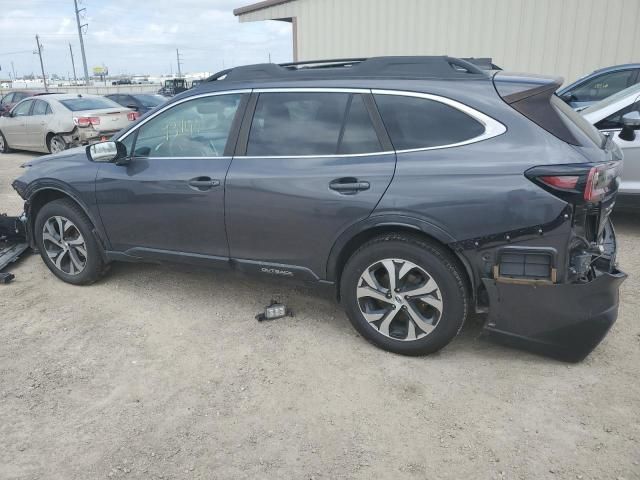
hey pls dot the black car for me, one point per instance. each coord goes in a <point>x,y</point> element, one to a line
<point>421,188</point>
<point>140,102</point>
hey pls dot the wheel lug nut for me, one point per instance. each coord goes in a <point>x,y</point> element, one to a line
<point>393,307</point>
<point>397,290</point>
<point>404,307</point>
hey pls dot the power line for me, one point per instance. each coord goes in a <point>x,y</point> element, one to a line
<point>16,53</point>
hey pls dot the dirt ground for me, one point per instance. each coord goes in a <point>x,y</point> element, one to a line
<point>162,372</point>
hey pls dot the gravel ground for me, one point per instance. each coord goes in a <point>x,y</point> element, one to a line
<point>163,372</point>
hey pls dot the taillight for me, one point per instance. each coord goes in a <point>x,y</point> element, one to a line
<point>600,181</point>
<point>86,121</point>
<point>568,182</point>
<point>133,116</point>
<point>578,183</point>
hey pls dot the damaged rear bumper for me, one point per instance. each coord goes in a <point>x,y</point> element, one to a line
<point>564,321</point>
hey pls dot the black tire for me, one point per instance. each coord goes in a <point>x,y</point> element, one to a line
<point>56,140</point>
<point>94,265</point>
<point>433,259</point>
<point>4,146</point>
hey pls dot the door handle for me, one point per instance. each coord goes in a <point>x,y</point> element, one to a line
<point>203,183</point>
<point>348,186</point>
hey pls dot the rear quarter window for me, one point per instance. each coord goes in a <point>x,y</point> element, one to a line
<point>80,104</point>
<point>414,122</point>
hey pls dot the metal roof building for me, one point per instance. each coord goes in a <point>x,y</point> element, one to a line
<point>559,37</point>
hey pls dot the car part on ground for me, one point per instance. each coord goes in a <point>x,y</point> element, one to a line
<point>391,178</point>
<point>13,243</point>
<point>273,311</point>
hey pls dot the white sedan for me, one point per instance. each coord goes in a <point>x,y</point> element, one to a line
<point>619,117</point>
<point>52,123</point>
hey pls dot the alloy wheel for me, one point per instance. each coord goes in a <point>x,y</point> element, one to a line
<point>399,299</point>
<point>57,145</point>
<point>2,145</point>
<point>64,245</point>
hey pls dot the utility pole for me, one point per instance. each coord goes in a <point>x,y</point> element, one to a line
<point>39,52</point>
<point>13,69</point>
<point>73,64</point>
<point>84,57</point>
<point>179,63</point>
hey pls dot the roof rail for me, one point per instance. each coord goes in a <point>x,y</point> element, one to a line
<point>437,67</point>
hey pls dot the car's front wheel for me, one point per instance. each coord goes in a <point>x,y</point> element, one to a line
<point>405,294</point>
<point>4,146</point>
<point>64,236</point>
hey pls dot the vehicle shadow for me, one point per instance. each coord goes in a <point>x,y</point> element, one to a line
<point>250,294</point>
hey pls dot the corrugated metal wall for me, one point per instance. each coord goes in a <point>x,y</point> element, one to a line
<point>559,37</point>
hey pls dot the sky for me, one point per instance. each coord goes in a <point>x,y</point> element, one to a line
<point>137,36</point>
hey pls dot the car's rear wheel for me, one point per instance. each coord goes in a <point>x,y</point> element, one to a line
<point>405,294</point>
<point>64,235</point>
<point>56,144</point>
<point>4,146</point>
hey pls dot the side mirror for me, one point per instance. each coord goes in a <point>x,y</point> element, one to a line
<point>133,107</point>
<point>107,152</point>
<point>567,97</point>
<point>631,123</point>
<point>7,113</point>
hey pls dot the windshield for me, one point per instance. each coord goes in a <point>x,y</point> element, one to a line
<point>84,103</point>
<point>149,100</point>
<point>634,91</point>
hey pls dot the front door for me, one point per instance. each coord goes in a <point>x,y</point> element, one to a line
<point>313,166</point>
<point>168,201</point>
<point>612,125</point>
<point>14,127</point>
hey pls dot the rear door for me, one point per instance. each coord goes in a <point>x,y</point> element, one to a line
<point>168,201</point>
<point>36,124</point>
<point>310,163</point>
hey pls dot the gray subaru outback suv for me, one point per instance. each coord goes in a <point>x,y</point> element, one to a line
<point>421,188</point>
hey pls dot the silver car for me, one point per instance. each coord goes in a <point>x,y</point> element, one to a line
<point>618,116</point>
<point>59,121</point>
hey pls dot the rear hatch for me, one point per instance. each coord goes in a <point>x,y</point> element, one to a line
<point>590,186</point>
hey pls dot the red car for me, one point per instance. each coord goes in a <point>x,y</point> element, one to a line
<point>10,99</point>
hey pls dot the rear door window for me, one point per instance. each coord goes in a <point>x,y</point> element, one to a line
<point>297,123</point>
<point>358,133</point>
<point>40,108</point>
<point>414,122</point>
